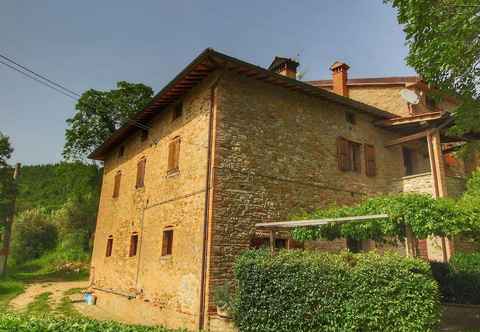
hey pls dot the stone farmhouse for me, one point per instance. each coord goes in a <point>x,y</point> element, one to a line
<point>226,145</point>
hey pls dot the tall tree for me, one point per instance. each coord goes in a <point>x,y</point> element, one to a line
<point>6,179</point>
<point>443,37</point>
<point>100,113</point>
<point>5,149</point>
<point>7,199</point>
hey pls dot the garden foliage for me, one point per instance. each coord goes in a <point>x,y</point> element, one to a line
<point>33,235</point>
<point>23,323</point>
<point>459,279</point>
<point>424,215</point>
<point>311,291</point>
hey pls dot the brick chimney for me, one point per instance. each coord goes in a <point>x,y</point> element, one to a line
<point>284,66</point>
<point>340,78</point>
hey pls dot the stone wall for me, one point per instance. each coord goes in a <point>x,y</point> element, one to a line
<point>419,183</point>
<point>384,97</point>
<point>275,156</point>
<point>423,183</point>
<point>167,286</point>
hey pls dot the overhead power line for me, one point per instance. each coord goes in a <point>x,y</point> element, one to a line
<point>38,80</point>
<point>40,76</point>
<point>42,79</point>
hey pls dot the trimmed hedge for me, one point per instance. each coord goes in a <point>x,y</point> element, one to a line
<point>310,291</point>
<point>22,323</point>
<point>459,280</point>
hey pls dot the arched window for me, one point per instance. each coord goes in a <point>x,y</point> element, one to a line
<point>133,245</point>
<point>167,243</point>
<point>109,250</point>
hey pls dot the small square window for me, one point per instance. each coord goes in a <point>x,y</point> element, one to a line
<point>177,111</point>
<point>133,245</point>
<point>167,244</point>
<point>144,135</point>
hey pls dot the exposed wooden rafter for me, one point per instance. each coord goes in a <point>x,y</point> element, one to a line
<point>410,119</point>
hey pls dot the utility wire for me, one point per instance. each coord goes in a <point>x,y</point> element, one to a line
<point>55,86</point>
<point>40,76</point>
<point>38,80</point>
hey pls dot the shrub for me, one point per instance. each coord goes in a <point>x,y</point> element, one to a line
<point>460,279</point>
<point>23,323</point>
<point>310,291</point>
<point>221,295</point>
<point>33,235</point>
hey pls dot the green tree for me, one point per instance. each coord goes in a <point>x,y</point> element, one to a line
<point>100,113</point>
<point>50,186</point>
<point>33,235</point>
<point>7,189</point>
<point>5,149</point>
<point>443,37</point>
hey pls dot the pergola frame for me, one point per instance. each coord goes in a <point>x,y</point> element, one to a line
<point>283,225</point>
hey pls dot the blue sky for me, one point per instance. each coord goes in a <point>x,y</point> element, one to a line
<point>93,44</point>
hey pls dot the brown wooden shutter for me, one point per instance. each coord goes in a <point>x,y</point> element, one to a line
<point>356,157</point>
<point>370,163</point>
<point>141,173</point>
<point>116,184</point>
<point>133,245</point>
<point>109,247</point>
<point>167,243</point>
<point>173,155</point>
<point>343,154</point>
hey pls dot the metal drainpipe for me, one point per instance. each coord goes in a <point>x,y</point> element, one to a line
<point>201,320</point>
<point>141,243</point>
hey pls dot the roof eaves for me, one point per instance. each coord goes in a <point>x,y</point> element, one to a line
<point>222,60</point>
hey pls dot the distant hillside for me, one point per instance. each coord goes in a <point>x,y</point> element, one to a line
<point>49,186</point>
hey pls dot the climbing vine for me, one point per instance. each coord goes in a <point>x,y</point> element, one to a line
<point>424,215</point>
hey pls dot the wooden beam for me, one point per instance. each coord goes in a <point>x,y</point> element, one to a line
<point>272,241</point>
<point>406,139</point>
<point>410,119</point>
<point>318,222</point>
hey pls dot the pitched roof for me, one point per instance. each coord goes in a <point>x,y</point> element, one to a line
<point>394,80</point>
<point>204,64</point>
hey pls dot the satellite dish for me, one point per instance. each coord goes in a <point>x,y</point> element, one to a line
<point>410,96</point>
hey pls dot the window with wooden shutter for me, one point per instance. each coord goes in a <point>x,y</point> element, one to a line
<point>173,155</point>
<point>133,245</point>
<point>167,244</point>
<point>141,173</point>
<point>349,155</point>
<point>116,184</point>
<point>109,250</point>
<point>370,163</point>
<point>343,154</point>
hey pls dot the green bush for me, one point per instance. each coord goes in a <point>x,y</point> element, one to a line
<point>310,291</point>
<point>33,235</point>
<point>23,323</point>
<point>460,279</point>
